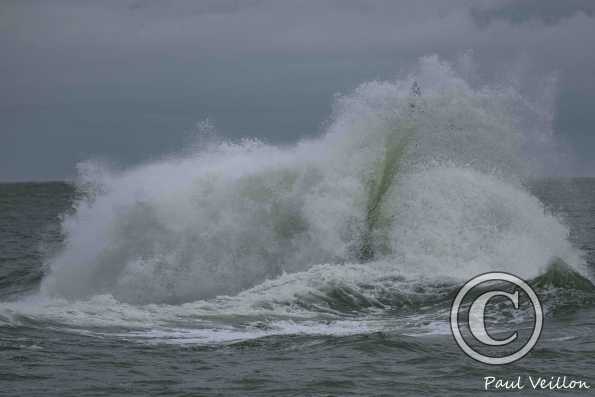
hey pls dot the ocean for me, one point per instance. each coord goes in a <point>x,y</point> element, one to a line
<point>324,268</point>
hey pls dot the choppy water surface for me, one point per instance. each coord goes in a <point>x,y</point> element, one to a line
<point>325,268</point>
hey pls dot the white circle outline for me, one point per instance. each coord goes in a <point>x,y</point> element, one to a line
<point>496,276</point>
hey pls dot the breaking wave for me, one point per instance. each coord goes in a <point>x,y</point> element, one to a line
<point>416,185</point>
<point>429,182</point>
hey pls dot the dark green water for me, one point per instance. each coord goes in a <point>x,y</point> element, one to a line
<point>42,354</point>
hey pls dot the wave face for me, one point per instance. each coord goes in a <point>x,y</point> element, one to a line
<point>404,184</point>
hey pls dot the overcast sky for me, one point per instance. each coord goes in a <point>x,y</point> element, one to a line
<point>127,81</point>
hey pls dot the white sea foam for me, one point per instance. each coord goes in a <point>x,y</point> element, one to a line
<point>431,184</point>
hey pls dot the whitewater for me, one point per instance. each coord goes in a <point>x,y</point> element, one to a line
<point>415,186</point>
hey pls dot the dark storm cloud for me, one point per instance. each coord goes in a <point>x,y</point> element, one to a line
<point>127,80</point>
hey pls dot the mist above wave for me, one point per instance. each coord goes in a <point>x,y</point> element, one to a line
<point>429,185</point>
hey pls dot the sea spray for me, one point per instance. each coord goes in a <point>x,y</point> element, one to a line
<point>395,146</point>
<point>432,195</point>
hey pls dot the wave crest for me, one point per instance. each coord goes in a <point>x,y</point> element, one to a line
<point>424,180</point>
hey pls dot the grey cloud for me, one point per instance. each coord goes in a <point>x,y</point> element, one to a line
<point>128,79</point>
